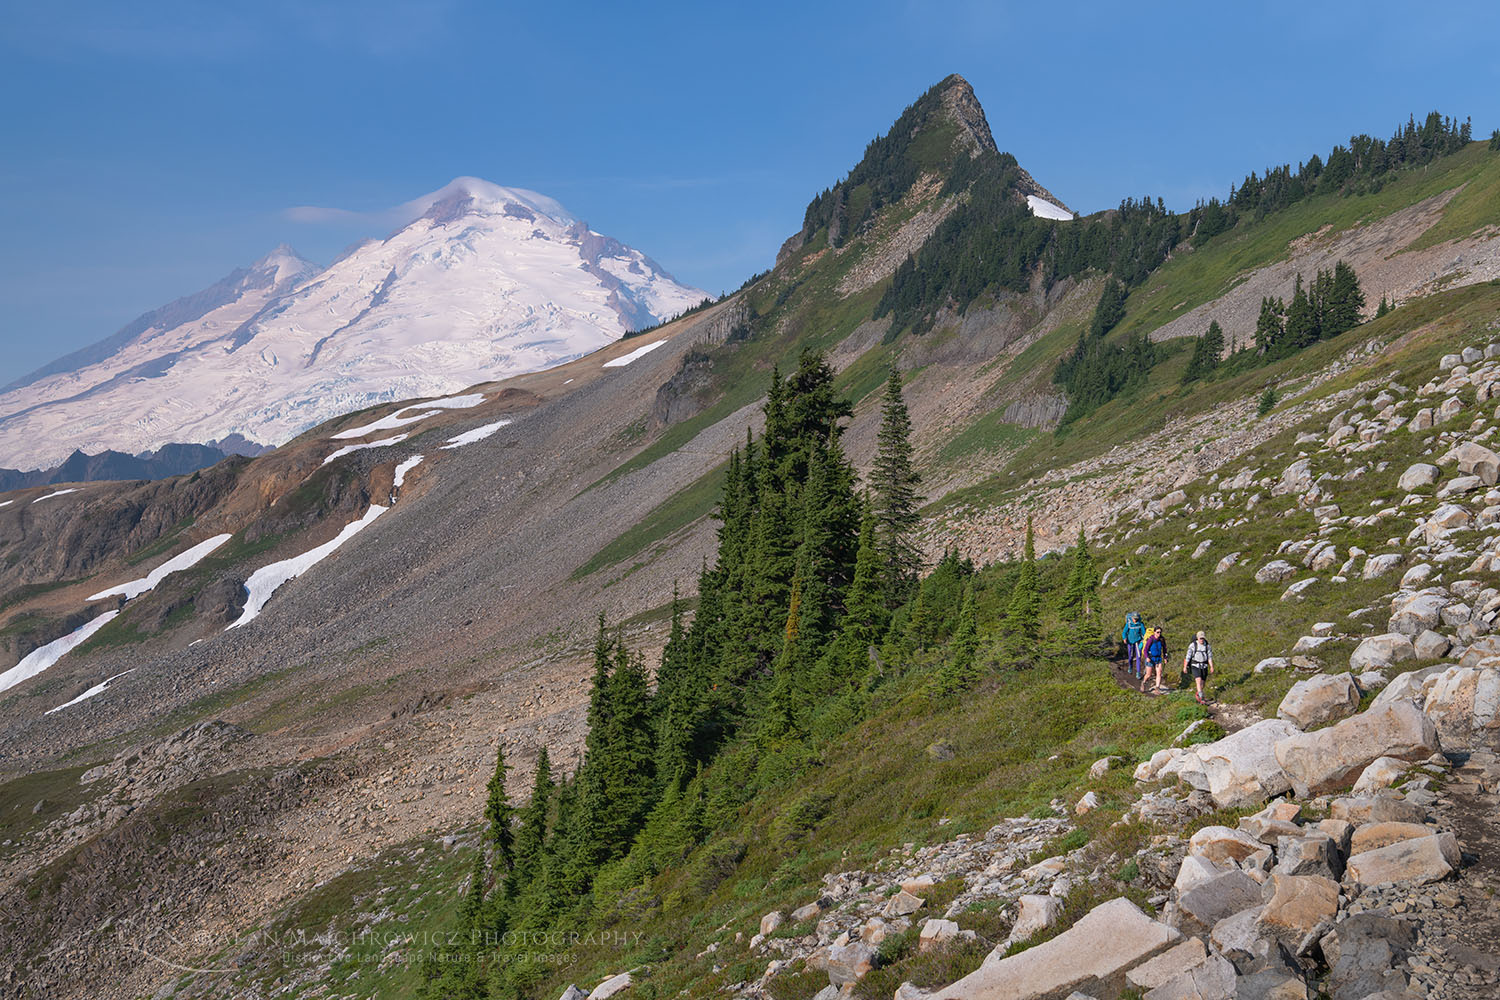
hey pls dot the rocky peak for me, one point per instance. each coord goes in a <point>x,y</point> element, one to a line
<point>963,107</point>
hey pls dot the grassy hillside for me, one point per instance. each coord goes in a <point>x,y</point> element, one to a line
<point>920,768</point>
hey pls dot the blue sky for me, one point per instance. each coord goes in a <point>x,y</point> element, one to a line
<point>152,147</point>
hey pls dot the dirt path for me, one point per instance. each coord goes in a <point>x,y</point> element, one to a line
<point>1462,921</point>
<point>1231,717</point>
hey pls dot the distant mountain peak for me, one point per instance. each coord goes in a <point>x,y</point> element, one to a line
<point>963,107</point>
<point>464,195</point>
<point>478,282</point>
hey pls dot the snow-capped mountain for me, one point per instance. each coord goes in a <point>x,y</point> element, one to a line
<point>483,282</point>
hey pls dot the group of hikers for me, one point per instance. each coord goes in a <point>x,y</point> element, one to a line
<point>1146,651</point>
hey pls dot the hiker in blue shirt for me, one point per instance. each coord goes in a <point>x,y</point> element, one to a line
<point>1132,635</point>
<point>1155,648</point>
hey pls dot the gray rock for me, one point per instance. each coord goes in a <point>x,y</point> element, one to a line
<point>1320,699</point>
<point>1331,758</point>
<point>1379,652</point>
<point>1168,965</point>
<point>1418,861</point>
<point>1363,953</point>
<point>1313,853</point>
<point>1378,566</point>
<point>1417,476</point>
<point>1275,571</point>
<point>1092,955</point>
<point>1199,910</point>
<point>1034,913</point>
<point>1476,460</point>
<point>1214,979</point>
<point>1228,562</point>
<point>1430,645</point>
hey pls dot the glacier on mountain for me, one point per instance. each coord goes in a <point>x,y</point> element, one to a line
<point>480,282</point>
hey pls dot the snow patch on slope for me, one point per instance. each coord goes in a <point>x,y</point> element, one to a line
<point>382,443</point>
<point>477,434</point>
<point>42,657</point>
<point>434,406</point>
<point>403,469</point>
<point>635,355</point>
<point>58,493</point>
<point>185,560</point>
<point>265,581</point>
<point>96,689</point>
<point>1044,209</point>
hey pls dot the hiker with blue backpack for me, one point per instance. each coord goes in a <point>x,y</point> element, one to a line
<point>1154,649</point>
<point>1133,635</point>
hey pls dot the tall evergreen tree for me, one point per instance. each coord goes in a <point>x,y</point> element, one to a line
<point>1301,321</point>
<point>894,480</point>
<point>1023,622</point>
<point>532,836</point>
<point>497,813</point>
<point>781,705</point>
<point>678,694</point>
<point>1109,310</point>
<point>966,636</point>
<point>1213,344</point>
<point>1346,301</point>
<point>1270,327</point>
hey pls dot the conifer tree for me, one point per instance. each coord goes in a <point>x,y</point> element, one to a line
<point>966,636</point>
<point>1346,301</point>
<point>1213,345</point>
<point>678,693</point>
<point>1081,596</point>
<point>918,624</point>
<point>781,705</point>
<point>1080,605</point>
<point>1301,321</point>
<point>532,836</point>
<point>1023,615</point>
<point>1270,327</point>
<point>1109,310</point>
<point>895,479</point>
<point>497,813</point>
<point>1383,308</point>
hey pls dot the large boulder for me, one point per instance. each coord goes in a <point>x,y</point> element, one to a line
<point>1298,905</point>
<point>1320,699</point>
<point>1411,686</point>
<point>1223,846</point>
<point>1275,571</point>
<point>848,963</point>
<point>1199,910</point>
<point>1416,613</point>
<point>1034,913</point>
<point>1214,979</point>
<point>1476,460</point>
<point>1296,479</point>
<point>1378,566</point>
<point>1194,871</point>
<point>1464,703</point>
<point>1312,853</point>
<point>1241,769</point>
<point>1417,861</point>
<point>611,986</point>
<point>1381,651</point>
<point>1332,758</point>
<point>1364,953</point>
<point>1374,836</point>
<point>1383,772</point>
<point>1168,965</point>
<point>1092,956</point>
<point>1418,476</point>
